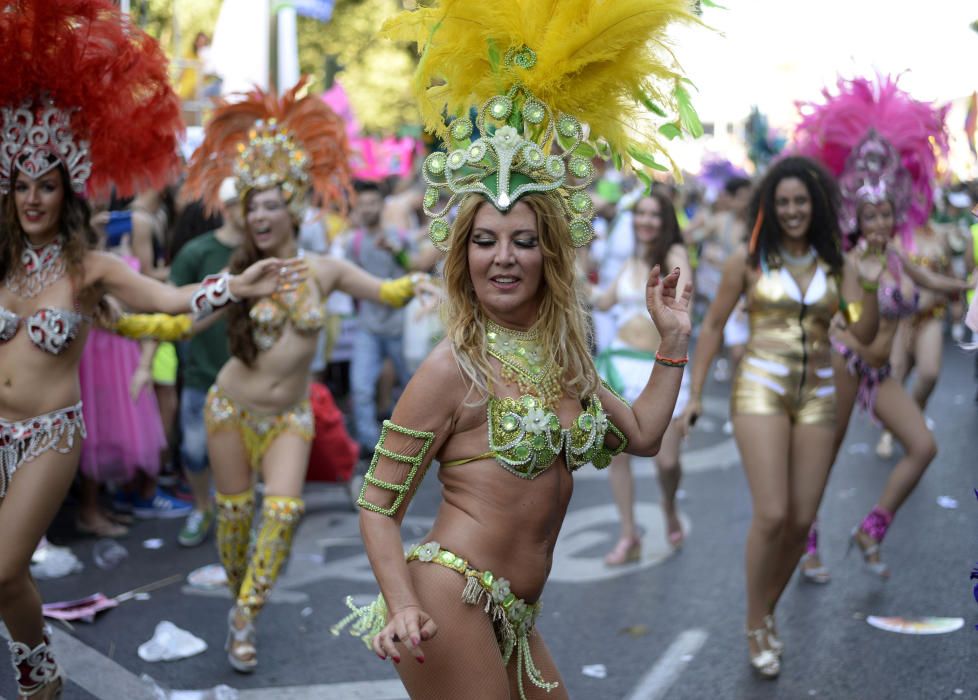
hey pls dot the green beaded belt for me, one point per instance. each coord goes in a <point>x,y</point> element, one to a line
<point>512,617</point>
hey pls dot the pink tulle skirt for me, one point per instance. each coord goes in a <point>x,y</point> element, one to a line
<point>124,436</point>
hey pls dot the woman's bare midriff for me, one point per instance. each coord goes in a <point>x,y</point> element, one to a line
<point>877,353</point>
<point>33,381</point>
<point>496,520</point>
<point>500,522</point>
<point>279,377</point>
<point>640,333</point>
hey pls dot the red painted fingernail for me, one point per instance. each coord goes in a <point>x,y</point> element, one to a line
<point>381,657</point>
<point>397,659</point>
<point>420,659</point>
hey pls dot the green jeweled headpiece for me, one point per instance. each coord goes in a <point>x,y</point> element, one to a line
<point>556,84</point>
<point>512,157</point>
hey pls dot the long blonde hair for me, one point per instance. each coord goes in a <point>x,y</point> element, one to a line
<point>562,321</point>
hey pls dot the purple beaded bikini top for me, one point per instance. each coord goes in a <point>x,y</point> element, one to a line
<point>893,303</point>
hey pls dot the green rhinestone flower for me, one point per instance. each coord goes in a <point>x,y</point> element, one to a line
<point>524,57</point>
<point>461,129</point>
<point>435,163</point>
<point>430,197</point>
<point>581,232</point>
<point>556,167</point>
<point>581,203</point>
<point>477,151</point>
<point>534,111</point>
<point>500,107</point>
<point>438,230</point>
<point>580,167</point>
<point>533,156</point>
<point>456,159</point>
<point>568,126</point>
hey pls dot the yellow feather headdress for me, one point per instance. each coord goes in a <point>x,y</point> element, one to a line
<point>558,81</point>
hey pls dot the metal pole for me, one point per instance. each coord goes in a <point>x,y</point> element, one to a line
<point>288,48</point>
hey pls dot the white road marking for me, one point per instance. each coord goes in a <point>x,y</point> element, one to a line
<point>363,690</point>
<point>107,680</point>
<point>656,683</point>
<point>96,673</point>
<point>586,528</point>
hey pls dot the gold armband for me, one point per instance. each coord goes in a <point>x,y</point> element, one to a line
<point>412,462</point>
<point>853,311</point>
<point>398,292</point>
<point>153,326</point>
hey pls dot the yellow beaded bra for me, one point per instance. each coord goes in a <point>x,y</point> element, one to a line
<point>270,314</point>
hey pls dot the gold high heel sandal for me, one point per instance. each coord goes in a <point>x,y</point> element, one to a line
<point>626,550</point>
<point>240,646</point>
<point>765,662</point>
<point>813,574</point>
<point>878,567</point>
<point>773,640</point>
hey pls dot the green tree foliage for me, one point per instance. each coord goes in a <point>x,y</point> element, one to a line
<point>175,23</point>
<point>375,73</point>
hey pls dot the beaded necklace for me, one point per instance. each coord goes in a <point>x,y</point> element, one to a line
<point>798,261</point>
<point>523,362</point>
<point>41,266</point>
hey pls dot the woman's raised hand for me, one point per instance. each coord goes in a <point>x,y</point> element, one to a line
<point>268,276</point>
<point>668,307</point>
<point>871,260</point>
<point>411,626</point>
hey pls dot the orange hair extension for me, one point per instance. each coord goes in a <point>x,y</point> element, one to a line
<point>756,231</point>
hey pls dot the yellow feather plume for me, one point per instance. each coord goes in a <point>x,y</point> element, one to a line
<point>605,62</point>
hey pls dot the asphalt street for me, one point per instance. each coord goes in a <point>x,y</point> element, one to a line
<point>670,626</point>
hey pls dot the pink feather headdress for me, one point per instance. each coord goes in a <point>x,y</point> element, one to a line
<point>881,144</point>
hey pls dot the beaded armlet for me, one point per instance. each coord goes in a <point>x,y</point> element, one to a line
<point>414,461</point>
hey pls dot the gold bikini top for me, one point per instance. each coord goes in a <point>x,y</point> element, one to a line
<point>779,313</point>
<point>935,263</point>
<point>306,312</point>
<point>525,437</point>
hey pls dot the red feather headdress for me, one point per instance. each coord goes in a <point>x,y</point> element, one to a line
<point>298,144</point>
<point>82,87</point>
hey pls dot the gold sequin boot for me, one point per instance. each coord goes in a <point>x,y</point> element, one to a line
<point>234,515</point>
<point>279,518</point>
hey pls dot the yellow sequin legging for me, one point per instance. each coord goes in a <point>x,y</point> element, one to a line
<point>251,578</point>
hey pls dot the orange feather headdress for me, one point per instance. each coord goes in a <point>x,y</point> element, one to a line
<point>297,144</point>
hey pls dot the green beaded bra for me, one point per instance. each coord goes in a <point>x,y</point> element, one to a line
<point>525,435</point>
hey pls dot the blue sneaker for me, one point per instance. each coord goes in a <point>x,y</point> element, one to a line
<point>161,505</point>
<point>122,501</point>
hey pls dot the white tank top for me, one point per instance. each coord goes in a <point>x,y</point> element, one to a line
<point>630,296</point>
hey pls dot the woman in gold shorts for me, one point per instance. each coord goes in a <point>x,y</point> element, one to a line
<point>783,402</point>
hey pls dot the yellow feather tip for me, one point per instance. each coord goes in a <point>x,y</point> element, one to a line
<point>601,61</point>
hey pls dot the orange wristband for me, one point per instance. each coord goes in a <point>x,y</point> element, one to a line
<point>670,361</point>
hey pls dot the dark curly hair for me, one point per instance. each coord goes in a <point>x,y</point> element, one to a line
<point>823,232</point>
<point>74,223</point>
